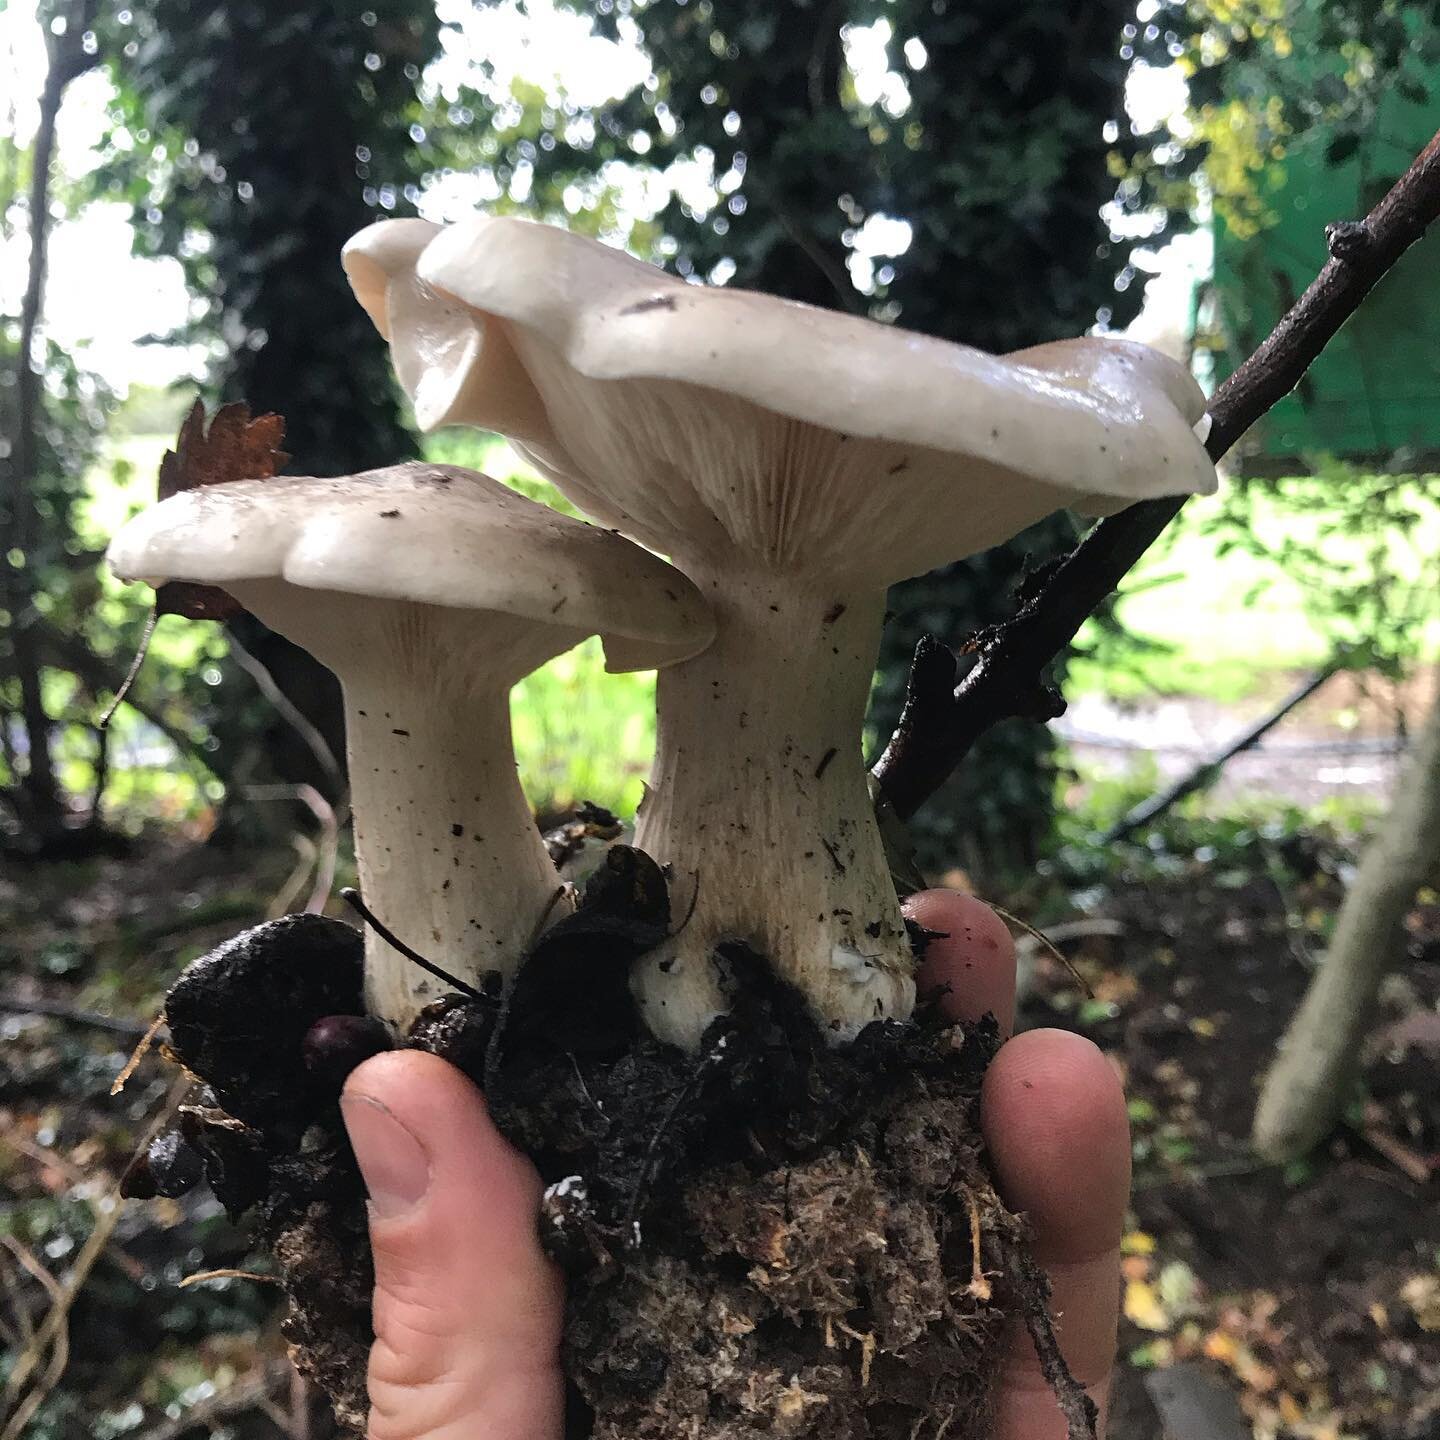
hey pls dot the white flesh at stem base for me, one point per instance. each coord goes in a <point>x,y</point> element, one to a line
<point>759,803</point>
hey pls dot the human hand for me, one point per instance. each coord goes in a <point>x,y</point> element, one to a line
<point>468,1309</point>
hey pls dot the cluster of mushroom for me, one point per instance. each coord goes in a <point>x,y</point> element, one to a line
<point>792,463</point>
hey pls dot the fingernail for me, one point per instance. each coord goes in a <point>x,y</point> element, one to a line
<point>393,1162</point>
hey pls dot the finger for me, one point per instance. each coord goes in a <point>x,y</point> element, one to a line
<point>467,1308</point>
<point>971,953</point>
<point>1053,1113</point>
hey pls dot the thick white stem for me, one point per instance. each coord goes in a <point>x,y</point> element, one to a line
<point>759,803</point>
<point>450,859</point>
<point>448,852</point>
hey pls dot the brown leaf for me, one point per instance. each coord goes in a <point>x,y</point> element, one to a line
<point>236,448</point>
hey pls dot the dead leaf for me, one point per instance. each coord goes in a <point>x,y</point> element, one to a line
<point>1422,1294</point>
<point>235,448</point>
<point>1143,1307</point>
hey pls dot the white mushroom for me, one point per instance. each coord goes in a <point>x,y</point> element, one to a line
<point>430,590</point>
<point>794,462</point>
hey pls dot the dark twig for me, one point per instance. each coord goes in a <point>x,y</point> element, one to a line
<point>1031,1288</point>
<point>352,899</point>
<point>123,689</point>
<point>1205,774</point>
<point>73,1015</point>
<point>937,730</point>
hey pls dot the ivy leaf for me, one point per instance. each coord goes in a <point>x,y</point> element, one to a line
<point>235,448</point>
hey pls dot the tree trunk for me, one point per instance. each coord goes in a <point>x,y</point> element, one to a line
<point>1316,1060</point>
<point>19,521</point>
<point>40,793</point>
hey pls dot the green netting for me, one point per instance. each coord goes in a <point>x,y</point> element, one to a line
<point>1375,394</point>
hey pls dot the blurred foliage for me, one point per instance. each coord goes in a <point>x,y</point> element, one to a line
<point>90,628</point>
<point>1275,575</point>
<point>251,142</point>
<point>167,775</point>
<point>35,488</point>
<point>60,576</point>
<point>1261,72</point>
<point>1361,548</point>
<point>1227,846</point>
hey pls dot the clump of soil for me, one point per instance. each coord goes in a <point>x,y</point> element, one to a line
<point>268,1131</point>
<point>772,1237</point>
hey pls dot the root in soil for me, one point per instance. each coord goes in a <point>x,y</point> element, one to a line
<point>774,1237</point>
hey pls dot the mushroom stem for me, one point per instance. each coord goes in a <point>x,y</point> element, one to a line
<point>449,855</point>
<point>448,852</point>
<point>759,802</point>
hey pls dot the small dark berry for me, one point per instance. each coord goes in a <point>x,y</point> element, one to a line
<point>336,1044</point>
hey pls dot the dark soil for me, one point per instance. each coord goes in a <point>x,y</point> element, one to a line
<point>785,1244</point>
<point>772,1237</point>
<point>1306,1294</point>
<point>1314,1292</point>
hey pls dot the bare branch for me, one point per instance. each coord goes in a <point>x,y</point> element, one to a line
<point>70,652</point>
<point>936,732</point>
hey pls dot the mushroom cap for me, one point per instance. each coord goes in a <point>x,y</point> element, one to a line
<point>870,447</point>
<point>446,363</point>
<point>434,535</point>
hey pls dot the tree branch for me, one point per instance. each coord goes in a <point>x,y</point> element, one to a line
<point>943,719</point>
<point>19,515</point>
<point>68,652</point>
<point>1203,775</point>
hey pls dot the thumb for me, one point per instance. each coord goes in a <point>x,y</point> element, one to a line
<point>467,1308</point>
